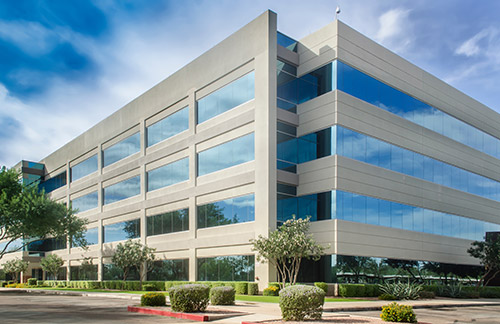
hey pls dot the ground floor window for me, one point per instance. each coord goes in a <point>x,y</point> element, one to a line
<point>112,272</point>
<point>360,269</point>
<point>170,270</point>
<point>227,268</point>
<point>83,272</point>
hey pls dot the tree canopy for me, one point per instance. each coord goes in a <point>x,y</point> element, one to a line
<point>488,253</point>
<point>51,264</point>
<point>14,267</point>
<point>25,212</point>
<point>286,247</point>
<point>133,254</point>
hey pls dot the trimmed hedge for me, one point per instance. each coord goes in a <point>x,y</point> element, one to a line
<point>222,296</point>
<point>148,287</point>
<point>301,302</point>
<point>395,312</point>
<point>322,285</point>
<point>253,288</point>
<point>32,281</point>
<point>189,298</point>
<point>358,290</point>
<point>153,299</point>
<point>241,288</point>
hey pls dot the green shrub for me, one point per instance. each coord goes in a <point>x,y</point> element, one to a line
<point>275,284</point>
<point>153,299</point>
<point>241,288</point>
<point>424,294</point>
<point>170,284</point>
<point>352,290</point>
<point>159,285</point>
<point>387,297</point>
<point>301,302</point>
<point>32,281</point>
<point>322,285</point>
<point>222,296</point>
<point>189,298</point>
<point>253,288</point>
<point>372,291</point>
<point>271,291</point>
<point>395,312</point>
<point>4,283</point>
<point>452,290</point>
<point>433,288</point>
<point>401,290</point>
<point>148,287</point>
<point>490,292</point>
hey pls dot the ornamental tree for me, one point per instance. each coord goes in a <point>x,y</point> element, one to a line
<point>488,253</point>
<point>14,267</point>
<point>25,212</point>
<point>286,247</point>
<point>51,264</point>
<point>133,254</point>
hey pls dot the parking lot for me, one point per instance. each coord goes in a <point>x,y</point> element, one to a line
<point>51,309</point>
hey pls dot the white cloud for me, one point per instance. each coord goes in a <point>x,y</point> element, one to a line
<point>395,29</point>
<point>471,47</point>
<point>31,37</point>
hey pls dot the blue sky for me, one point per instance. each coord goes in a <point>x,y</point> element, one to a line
<point>66,65</point>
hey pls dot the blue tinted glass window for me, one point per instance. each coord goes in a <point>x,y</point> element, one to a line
<point>369,210</point>
<point>122,190</point>
<point>171,222</point>
<point>53,183</point>
<point>286,42</point>
<point>382,154</point>
<point>87,202</point>
<point>84,168</point>
<point>226,98</point>
<point>122,231</point>
<point>227,268</point>
<point>169,174</point>
<point>385,97</point>
<point>226,155</point>
<point>169,126</point>
<point>229,211</point>
<point>122,149</point>
<point>92,236</point>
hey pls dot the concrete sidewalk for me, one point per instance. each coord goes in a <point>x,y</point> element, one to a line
<point>271,311</point>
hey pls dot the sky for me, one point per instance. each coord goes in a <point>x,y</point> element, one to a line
<point>66,65</point>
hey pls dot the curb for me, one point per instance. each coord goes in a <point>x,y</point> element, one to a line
<point>193,317</point>
<point>376,308</point>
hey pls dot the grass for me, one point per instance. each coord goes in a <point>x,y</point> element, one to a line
<point>275,299</point>
<point>250,298</point>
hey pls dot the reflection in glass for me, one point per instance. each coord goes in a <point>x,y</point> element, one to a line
<point>84,168</point>
<point>357,146</point>
<point>237,151</point>
<point>170,270</point>
<point>338,75</point>
<point>170,222</point>
<point>122,149</point>
<point>53,183</point>
<point>122,190</point>
<point>368,210</point>
<point>227,268</point>
<point>286,42</point>
<point>169,126</point>
<point>112,272</point>
<point>226,98</point>
<point>122,231</point>
<point>84,203</point>
<point>229,211</point>
<point>92,236</point>
<point>84,272</point>
<point>168,174</point>
<point>372,270</point>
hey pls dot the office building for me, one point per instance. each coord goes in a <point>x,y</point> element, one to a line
<point>389,161</point>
